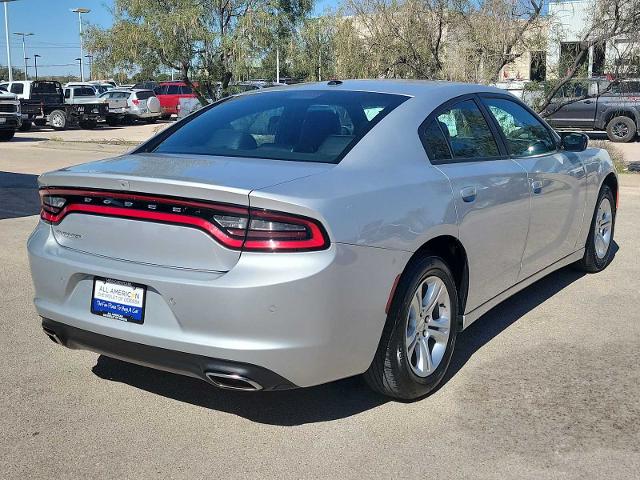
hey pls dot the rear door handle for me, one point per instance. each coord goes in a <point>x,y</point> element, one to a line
<point>588,101</point>
<point>468,194</point>
<point>536,186</point>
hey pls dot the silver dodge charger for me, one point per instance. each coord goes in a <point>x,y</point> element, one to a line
<point>296,236</point>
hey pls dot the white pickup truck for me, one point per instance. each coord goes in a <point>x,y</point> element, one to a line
<point>10,116</point>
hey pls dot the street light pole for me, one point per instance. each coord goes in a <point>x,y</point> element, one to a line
<point>6,34</point>
<point>90,57</point>
<point>80,63</point>
<point>35,63</point>
<point>24,51</point>
<point>80,11</point>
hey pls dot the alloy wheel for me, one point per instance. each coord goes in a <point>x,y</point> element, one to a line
<point>620,130</point>
<point>428,326</point>
<point>602,233</point>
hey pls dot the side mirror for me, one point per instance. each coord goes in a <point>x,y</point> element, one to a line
<point>574,142</point>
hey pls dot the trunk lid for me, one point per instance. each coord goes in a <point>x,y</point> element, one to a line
<point>167,176</point>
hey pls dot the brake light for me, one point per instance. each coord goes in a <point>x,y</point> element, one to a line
<point>135,101</point>
<point>235,227</point>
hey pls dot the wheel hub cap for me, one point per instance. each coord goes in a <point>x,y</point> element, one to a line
<point>602,233</point>
<point>428,326</point>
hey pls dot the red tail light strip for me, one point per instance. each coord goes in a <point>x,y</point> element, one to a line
<point>171,218</point>
<point>313,237</point>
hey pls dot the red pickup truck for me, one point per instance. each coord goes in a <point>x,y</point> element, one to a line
<point>169,93</point>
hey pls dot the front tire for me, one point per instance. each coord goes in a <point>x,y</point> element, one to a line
<point>420,333</point>
<point>599,248</point>
<point>621,129</point>
<point>6,135</point>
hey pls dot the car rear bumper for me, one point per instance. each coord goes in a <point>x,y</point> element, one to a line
<point>144,114</point>
<point>308,317</point>
<point>197,366</point>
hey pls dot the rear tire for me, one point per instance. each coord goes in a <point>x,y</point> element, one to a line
<point>407,373</point>
<point>40,122</point>
<point>6,135</point>
<point>621,129</point>
<point>88,124</point>
<point>151,120</point>
<point>25,127</point>
<point>113,121</point>
<point>58,120</point>
<point>598,250</point>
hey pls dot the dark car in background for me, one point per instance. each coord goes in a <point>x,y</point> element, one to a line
<point>598,105</point>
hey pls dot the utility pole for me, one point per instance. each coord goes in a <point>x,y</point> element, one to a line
<point>35,63</point>
<point>277,64</point>
<point>79,60</point>
<point>6,34</point>
<point>80,11</point>
<point>24,51</point>
<point>90,57</point>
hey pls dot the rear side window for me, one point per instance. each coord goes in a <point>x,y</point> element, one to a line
<point>83,92</point>
<point>467,132</point>
<point>17,88</point>
<point>145,95</point>
<point>435,143</point>
<point>301,125</point>
<point>525,135</point>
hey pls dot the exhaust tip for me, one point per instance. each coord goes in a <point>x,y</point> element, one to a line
<point>231,381</point>
<point>52,335</point>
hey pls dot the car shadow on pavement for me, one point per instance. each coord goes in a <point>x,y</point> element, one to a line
<point>505,314</point>
<point>18,195</point>
<point>21,138</point>
<point>334,400</point>
<point>331,401</point>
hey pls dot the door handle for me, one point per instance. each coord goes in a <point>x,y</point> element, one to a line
<point>588,101</point>
<point>468,194</point>
<point>536,186</point>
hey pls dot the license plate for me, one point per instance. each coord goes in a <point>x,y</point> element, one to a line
<point>118,300</point>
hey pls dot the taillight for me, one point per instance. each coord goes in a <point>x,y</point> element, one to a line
<point>235,227</point>
<point>135,101</point>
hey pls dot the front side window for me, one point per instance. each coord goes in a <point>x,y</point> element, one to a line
<point>525,135</point>
<point>300,125</point>
<point>467,132</point>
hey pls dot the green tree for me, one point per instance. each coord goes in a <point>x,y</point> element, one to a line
<point>204,40</point>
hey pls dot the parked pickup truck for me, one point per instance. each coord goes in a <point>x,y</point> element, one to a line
<point>42,101</point>
<point>594,105</point>
<point>10,117</point>
<point>85,99</point>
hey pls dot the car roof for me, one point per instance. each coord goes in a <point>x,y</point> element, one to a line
<point>412,88</point>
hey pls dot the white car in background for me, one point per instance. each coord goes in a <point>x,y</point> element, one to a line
<point>130,105</point>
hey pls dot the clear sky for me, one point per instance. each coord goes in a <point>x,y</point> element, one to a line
<point>55,30</point>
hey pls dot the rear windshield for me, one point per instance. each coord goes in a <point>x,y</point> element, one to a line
<point>84,92</point>
<point>46,87</point>
<point>302,125</point>
<point>145,95</point>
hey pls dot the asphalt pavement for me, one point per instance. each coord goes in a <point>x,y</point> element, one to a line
<point>546,385</point>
